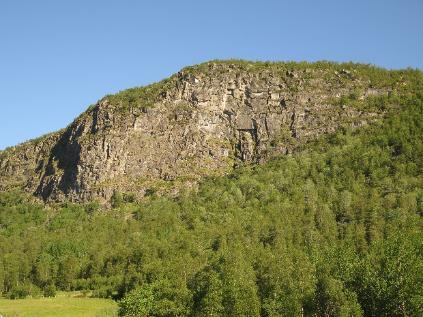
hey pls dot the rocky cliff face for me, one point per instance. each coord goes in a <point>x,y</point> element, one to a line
<point>205,120</point>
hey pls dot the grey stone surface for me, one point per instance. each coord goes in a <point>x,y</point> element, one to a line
<point>203,124</point>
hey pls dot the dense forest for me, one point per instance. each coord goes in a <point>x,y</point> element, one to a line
<point>334,229</point>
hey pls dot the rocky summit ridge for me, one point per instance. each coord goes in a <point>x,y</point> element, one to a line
<point>205,120</point>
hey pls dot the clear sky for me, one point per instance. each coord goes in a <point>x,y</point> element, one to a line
<point>58,57</point>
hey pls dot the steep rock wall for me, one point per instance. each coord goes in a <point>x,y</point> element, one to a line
<point>202,123</point>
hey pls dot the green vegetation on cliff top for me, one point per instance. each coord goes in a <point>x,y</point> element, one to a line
<point>398,81</point>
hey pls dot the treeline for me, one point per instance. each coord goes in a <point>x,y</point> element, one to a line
<point>334,230</point>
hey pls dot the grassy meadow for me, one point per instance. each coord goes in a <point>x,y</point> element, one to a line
<point>63,305</point>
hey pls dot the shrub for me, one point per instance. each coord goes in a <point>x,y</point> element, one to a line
<point>19,292</point>
<point>49,291</point>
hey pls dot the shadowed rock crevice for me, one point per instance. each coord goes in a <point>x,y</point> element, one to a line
<point>62,169</point>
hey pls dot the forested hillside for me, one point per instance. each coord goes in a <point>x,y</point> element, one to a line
<point>333,229</point>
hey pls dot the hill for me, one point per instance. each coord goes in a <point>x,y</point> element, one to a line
<point>326,224</point>
<point>202,121</point>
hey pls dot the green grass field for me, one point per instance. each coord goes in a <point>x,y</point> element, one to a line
<point>63,305</point>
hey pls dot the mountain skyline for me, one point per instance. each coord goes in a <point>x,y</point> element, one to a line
<point>58,58</point>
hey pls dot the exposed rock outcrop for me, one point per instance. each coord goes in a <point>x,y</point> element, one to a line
<point>202,121</point>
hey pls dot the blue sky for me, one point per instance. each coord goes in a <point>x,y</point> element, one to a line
<point>58,57</point>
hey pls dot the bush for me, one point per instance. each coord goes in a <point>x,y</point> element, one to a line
<point>103,292</point>
<point>49,291</point>
<point>161,298</point>
<point>137,303</point>
<point>117,199</point>
<point>19,292</point>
